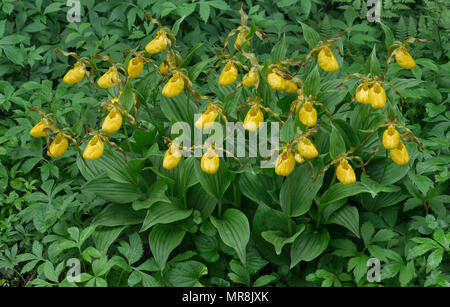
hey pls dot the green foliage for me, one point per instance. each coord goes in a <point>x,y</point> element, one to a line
<point>136,224</point>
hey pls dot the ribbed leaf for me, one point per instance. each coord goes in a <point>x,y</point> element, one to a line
<point>163,240</point>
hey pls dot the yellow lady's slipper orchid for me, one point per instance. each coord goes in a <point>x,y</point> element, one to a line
<point>391,138</point>
<point>345,173</point>
<point>326,60</point>
<point>135,67</point>
<point>404,59</point>
<point>113,121</point>
<point>206,120</point>
<point>362,93</point>
<point>109,78</point>
<point>307,149</point>
<point>172,157</point>
<point>40,129</point>
<point>285,163</point>
<point>58,147</point>
<point>94,149</point>
<point>159,43</point>
<point>253,118</point>
<point>250,78</point>
<point>228,75</point>
<point>299,159</point>
<point>164,68</point>
<point>76,74</point>
<point>377,96</point>
<point>308,114</point>
<point>399,154</point>
<point>210,161</point>
<point>276,82</point>
<point>289,87</point>
<point>174,86</point>
<point>240,39</point>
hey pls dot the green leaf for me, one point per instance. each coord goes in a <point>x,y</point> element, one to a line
<point>278,52</point>
<point>348,217</point>
<point>157,193</point>
<point>254,186</point>
<point>126,98</point>
<point>164,213</point>
<point>118,215</point>
<point>309,245</point>
<point>389,35</point>
<point>367,231</point>
<point>300,190</point>
<point>423,183</point>
<point>406,273</point>
<point>279,238</point>
<point>187,274</point>
<point>337,144</point>
<point>214,184</point>
<point>234,230</point>
<point>373,65</point>
<point>191,53</point>
<point>311,36</point>
<point>312,83</point>
<point>204,11</point>
<point>112,191</point>
<point>163,239</point>
<point>264,280</point>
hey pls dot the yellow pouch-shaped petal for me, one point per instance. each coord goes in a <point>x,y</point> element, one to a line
<point>174,86</point>
<point>250,78</point>
<point>276,82</point>
<point>94,149</point>
<point>285,163</point>
<point>299,159</point>
<point>240,39</point>
<point>326,60</point>
<point>109,79</point>
<point>172,157</point>
<point>159,43</point>
<point>206,120</point>
<point>289,87</point>
<point>40,128</point>
<point>210,161</point>
<point>253,118</point>
<point>76,74</point>
<point>391,138</point>
<point>377,96</point>
<point>113,121</point>
<point>228,75</point>
<point>404,59</point>
<point>58,147</point>
<point>308,114</point>
<point>307,149</point>
<point>135,67</point>
<point>345,173</point>
<point>362,93</point>
<point>400,154</point>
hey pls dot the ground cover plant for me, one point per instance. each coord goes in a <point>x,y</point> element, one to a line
<point>114,159</point>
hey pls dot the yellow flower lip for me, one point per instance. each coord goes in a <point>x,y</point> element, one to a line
<point>399,154</point>
<point>172,157</point>
<point>377,96</point>
<point>159,43</point>
<point>362,93</point>
<point>250,78</point>
<point>276,82</point>
<point>174,86</point>
<point>326,60</point>
<point>345,173</point>
<point>113,121</point>
<point>40,129</point>
<point>404,59</point>
<point>228,74</point>
<point>94,149</point>
<point>307,149</point>
<point>285,163</point>
<point>253,119</point>
<point>308,114</point>
<point>210,161</point>
<point>391,138</point>
<point>58,147</point>
<point>207,119</point>
<point>76,74</point>
<point>135,67</point>
<point>109,79</point>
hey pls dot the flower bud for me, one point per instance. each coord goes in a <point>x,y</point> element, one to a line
<point>250,78</point>
<point>377,96</point>
<point>326,60</point>
<point>307,149</point>
<point>41,128</point>
<point>399,154</point>
<point>285,163</point>
<point>109,79</point>
<point>308,114</point>
<point>159,43</point>
<point>391,138</point>
<point>135,67</point>
<point>404,59</point>
<point>206,120</point>
<point>113,121</point>
<point>345,173</point>
<point>174,86</point>
<point>240,39</point>
<point>58,147</point>
<point>210,161</point>
<point>362,93</point>
<point>76,74</point>
<point>228,75</point>
<point>172,157</point>
<point>94,149</point>
<point>253,118</point>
